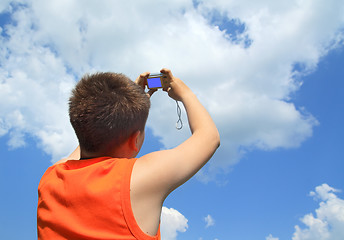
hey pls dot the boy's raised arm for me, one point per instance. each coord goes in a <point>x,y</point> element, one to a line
<point>159,173</point>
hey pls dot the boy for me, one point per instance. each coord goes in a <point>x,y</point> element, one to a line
<point>101,191</point>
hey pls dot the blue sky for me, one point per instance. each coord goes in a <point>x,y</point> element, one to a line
<point>270,74</point>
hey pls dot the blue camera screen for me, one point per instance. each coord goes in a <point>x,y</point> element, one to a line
<point>154,82</point>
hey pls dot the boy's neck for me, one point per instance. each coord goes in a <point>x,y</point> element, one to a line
<point>119,152</point>
<point>128,149</point>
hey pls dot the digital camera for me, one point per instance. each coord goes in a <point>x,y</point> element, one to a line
<point>156,80</point>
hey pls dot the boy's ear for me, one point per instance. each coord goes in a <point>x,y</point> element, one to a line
<point>134,141</point>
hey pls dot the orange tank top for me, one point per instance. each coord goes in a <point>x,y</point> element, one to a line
<point>88,199</point>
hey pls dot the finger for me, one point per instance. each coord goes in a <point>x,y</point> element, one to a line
<point>151,91</point>
<point>167,72</point>
<point>145,74</point>
<point>166,89</point>
<point>140,80</point>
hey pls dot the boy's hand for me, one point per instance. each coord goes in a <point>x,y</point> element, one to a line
<point>176,88</point>
<point>142,82</point>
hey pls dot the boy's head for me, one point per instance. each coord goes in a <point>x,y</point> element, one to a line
<point>106,108</point>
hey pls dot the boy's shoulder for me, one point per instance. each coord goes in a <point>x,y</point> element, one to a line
<point>63,160</point>
<point>72,169</point>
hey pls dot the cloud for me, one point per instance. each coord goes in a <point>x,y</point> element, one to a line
<point>209,220</point>
<point>328,222</point>
<point>244,77</point>
<point>34,89</point>
<point>4,4</point>
<point>270,237</point>
<point>172,222</point>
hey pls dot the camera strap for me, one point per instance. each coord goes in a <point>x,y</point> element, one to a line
<point>179,123</point>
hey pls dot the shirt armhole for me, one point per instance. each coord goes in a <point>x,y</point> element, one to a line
<point>126,205</point>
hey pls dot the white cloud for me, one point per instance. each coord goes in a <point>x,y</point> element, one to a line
<point>4,5</point>
<point>209,220</point>
<point>34,89</point>
<point>172,222</point>
<point>247,89</point>
<point>328,222</point>
<point>270,237</point>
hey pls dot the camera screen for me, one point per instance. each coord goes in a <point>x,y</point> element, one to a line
<point>154,82</point>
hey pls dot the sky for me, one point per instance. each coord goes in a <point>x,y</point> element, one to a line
<point>269,72</point>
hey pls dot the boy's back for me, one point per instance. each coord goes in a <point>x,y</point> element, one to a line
<point>100,209</point>
<point>137,192</point>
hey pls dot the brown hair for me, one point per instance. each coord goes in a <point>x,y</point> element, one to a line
<point>107,107</point>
